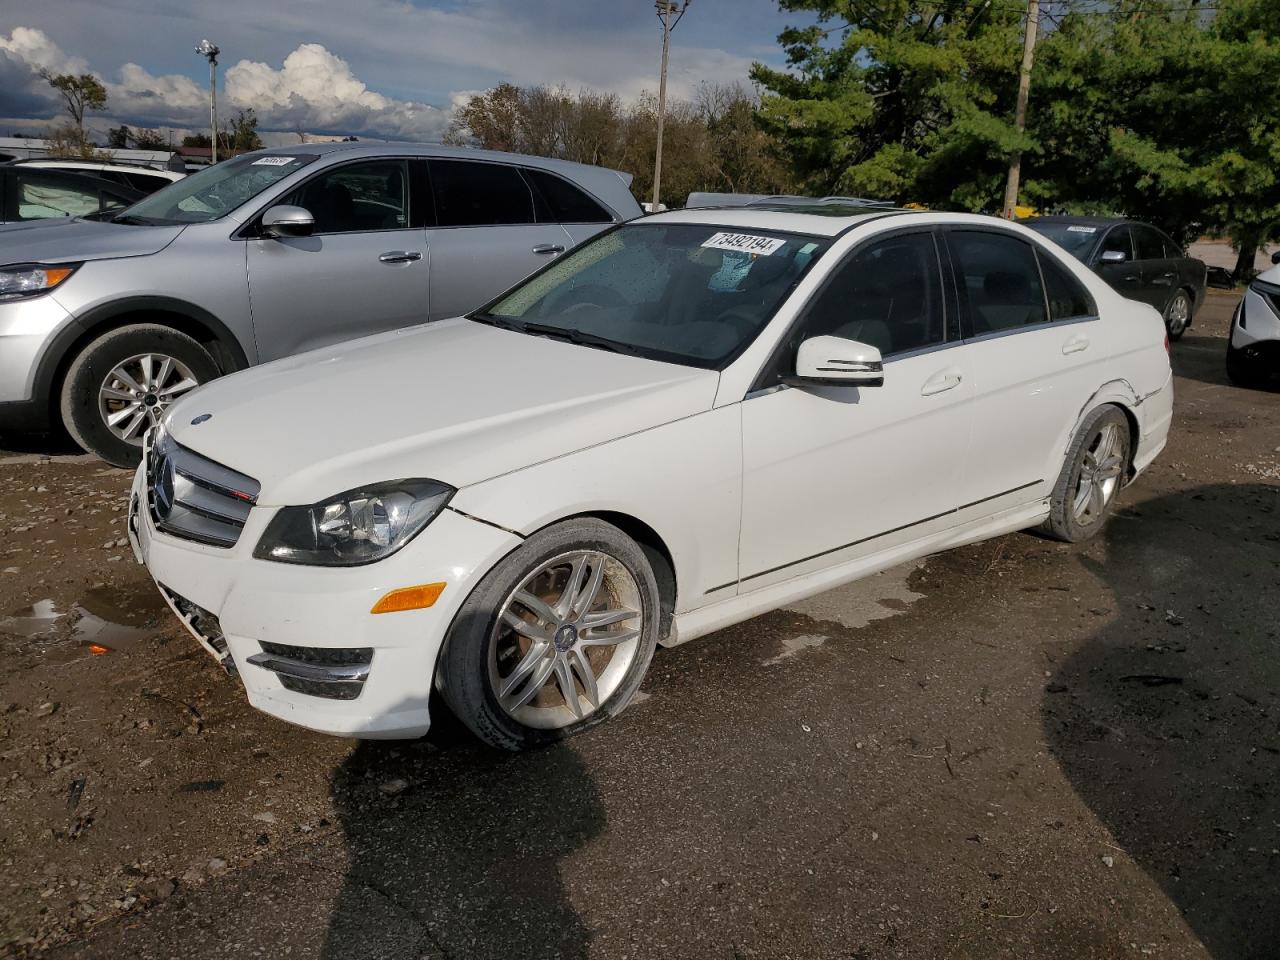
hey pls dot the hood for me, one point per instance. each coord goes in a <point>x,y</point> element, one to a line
<point>66,240</point>
<point>455,401</point>
<point>1270,276</point>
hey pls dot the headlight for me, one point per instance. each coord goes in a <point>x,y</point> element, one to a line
<point>31,280</point>
<point>359,526</point>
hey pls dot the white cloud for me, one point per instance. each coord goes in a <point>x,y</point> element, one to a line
<point>314,89</point>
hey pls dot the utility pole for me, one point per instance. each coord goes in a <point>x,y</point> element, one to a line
<point>1020,111</point>
<point>670,13</point>
<point>210,52</point>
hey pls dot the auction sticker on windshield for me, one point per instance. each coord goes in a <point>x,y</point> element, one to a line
<point>273,161</point>
<point>744,243</point>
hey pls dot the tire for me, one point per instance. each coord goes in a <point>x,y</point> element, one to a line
<point>1177,315</point>
<point>91,390</point>
<point>1243,372</point>
<point>480,670</point>
<point>1066,520</point>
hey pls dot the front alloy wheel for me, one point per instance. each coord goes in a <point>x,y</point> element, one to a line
<point>555,638</point>
<point>565,639</point>
<point>138,390</point>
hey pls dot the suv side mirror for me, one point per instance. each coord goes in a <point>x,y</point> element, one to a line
<point>836,362</point>
<point>285,221</point>
<point>1113,256</point>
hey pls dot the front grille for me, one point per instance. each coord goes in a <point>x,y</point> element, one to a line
<point>195,498</point>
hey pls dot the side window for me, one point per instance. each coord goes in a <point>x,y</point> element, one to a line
<point>41,198</point>
<point>471,194</point>
<point>1118,239</point>
<point>1171,250</point>
<point>888,295</point>
<point>1068,299</point>
<point>357,197</point>
<point>1000,280</point>
<point>564,202</point>
<point>1148,244</point>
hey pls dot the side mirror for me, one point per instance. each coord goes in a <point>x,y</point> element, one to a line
<point>1275,257</point>
<point>286,221</point>
<point>1113,256</point>
<point>837,362</point>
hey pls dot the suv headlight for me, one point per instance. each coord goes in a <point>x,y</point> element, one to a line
<point>356,527</point>
<point>31,279</point>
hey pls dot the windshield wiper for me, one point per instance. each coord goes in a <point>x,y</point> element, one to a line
<point>577,337</point>
<point>133,221</point>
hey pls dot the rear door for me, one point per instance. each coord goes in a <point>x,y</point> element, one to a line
<point>1033,345</point>
<point>362,271</point>
<point>1159,270</point>
<point>486,236</point>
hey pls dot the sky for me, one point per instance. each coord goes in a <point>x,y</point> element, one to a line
<point>389,69</point>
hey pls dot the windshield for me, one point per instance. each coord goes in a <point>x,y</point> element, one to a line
<point>696,295</point>
<point>214,191</point>
<point>1076,238</point>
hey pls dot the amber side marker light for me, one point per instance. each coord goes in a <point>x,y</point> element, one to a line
<point>409,598</point>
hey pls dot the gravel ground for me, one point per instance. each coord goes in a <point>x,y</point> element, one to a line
<point>1017,749</point>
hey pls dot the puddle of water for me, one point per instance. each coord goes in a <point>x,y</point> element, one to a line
<point>859,603</point>
<point>116,619</point>
<point>37,620</point>
<point>793,645</point>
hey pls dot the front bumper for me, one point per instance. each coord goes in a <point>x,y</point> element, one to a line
<point>27,328</point>
<point>260,602</point>
<point>1255,327</point>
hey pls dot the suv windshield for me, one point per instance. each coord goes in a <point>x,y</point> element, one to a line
<point>1076,238</point>
<point>215,191</point>
<point>690,294</point>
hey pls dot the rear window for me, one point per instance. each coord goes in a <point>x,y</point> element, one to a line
<point>471,194</point>
<point>563,202</point>
<point>1068,299</point>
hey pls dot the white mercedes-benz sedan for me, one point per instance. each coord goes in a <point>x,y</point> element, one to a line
<point>697,417</point>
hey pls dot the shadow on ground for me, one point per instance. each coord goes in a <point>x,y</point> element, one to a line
<point>1167,722</point>
<point>465,861</point>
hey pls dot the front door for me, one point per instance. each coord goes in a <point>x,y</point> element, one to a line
<point>1126,276</point>
<point>833,473</point>
<point>364,270</point>
<point>486,237</point>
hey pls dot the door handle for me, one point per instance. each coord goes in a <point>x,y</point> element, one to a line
<point>1076,344</point>
<point>549,248</point>
<point>1130,278</point>
<point>400,256</point>
<point>941,382</point>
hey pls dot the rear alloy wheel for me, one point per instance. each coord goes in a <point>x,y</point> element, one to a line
<point>121,384</point>
<point>1177,315</point>
<point>555,639</point>
<point>1091,477</point>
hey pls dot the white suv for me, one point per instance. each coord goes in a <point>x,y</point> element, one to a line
<point>689,420</point>
<point>1253,344</point>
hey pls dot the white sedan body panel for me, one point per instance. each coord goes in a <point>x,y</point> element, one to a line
<point>761,494</point>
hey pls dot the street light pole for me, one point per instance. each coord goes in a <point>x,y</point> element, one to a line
<point>210,52</point>
<point>667,9</point>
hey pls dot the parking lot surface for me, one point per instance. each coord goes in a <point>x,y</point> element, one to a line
<point>1016,749</point>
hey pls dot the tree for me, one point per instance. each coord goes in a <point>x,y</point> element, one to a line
<point>1165,113</point>
<point>904,100</point>
<point>144,139</point>
<point>241,134</point>
<point>118,137</point>
<point>197,140</point>
<point>79,93</point>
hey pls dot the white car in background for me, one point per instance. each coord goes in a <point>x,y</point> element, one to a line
<point>143,179</point>
<point>689,420</point>
<point>1253,343</point>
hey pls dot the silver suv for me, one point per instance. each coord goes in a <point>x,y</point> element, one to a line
<point>103,324</point>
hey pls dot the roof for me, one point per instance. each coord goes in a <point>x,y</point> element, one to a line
<point>1083,221</point>
<point>827,220</point>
